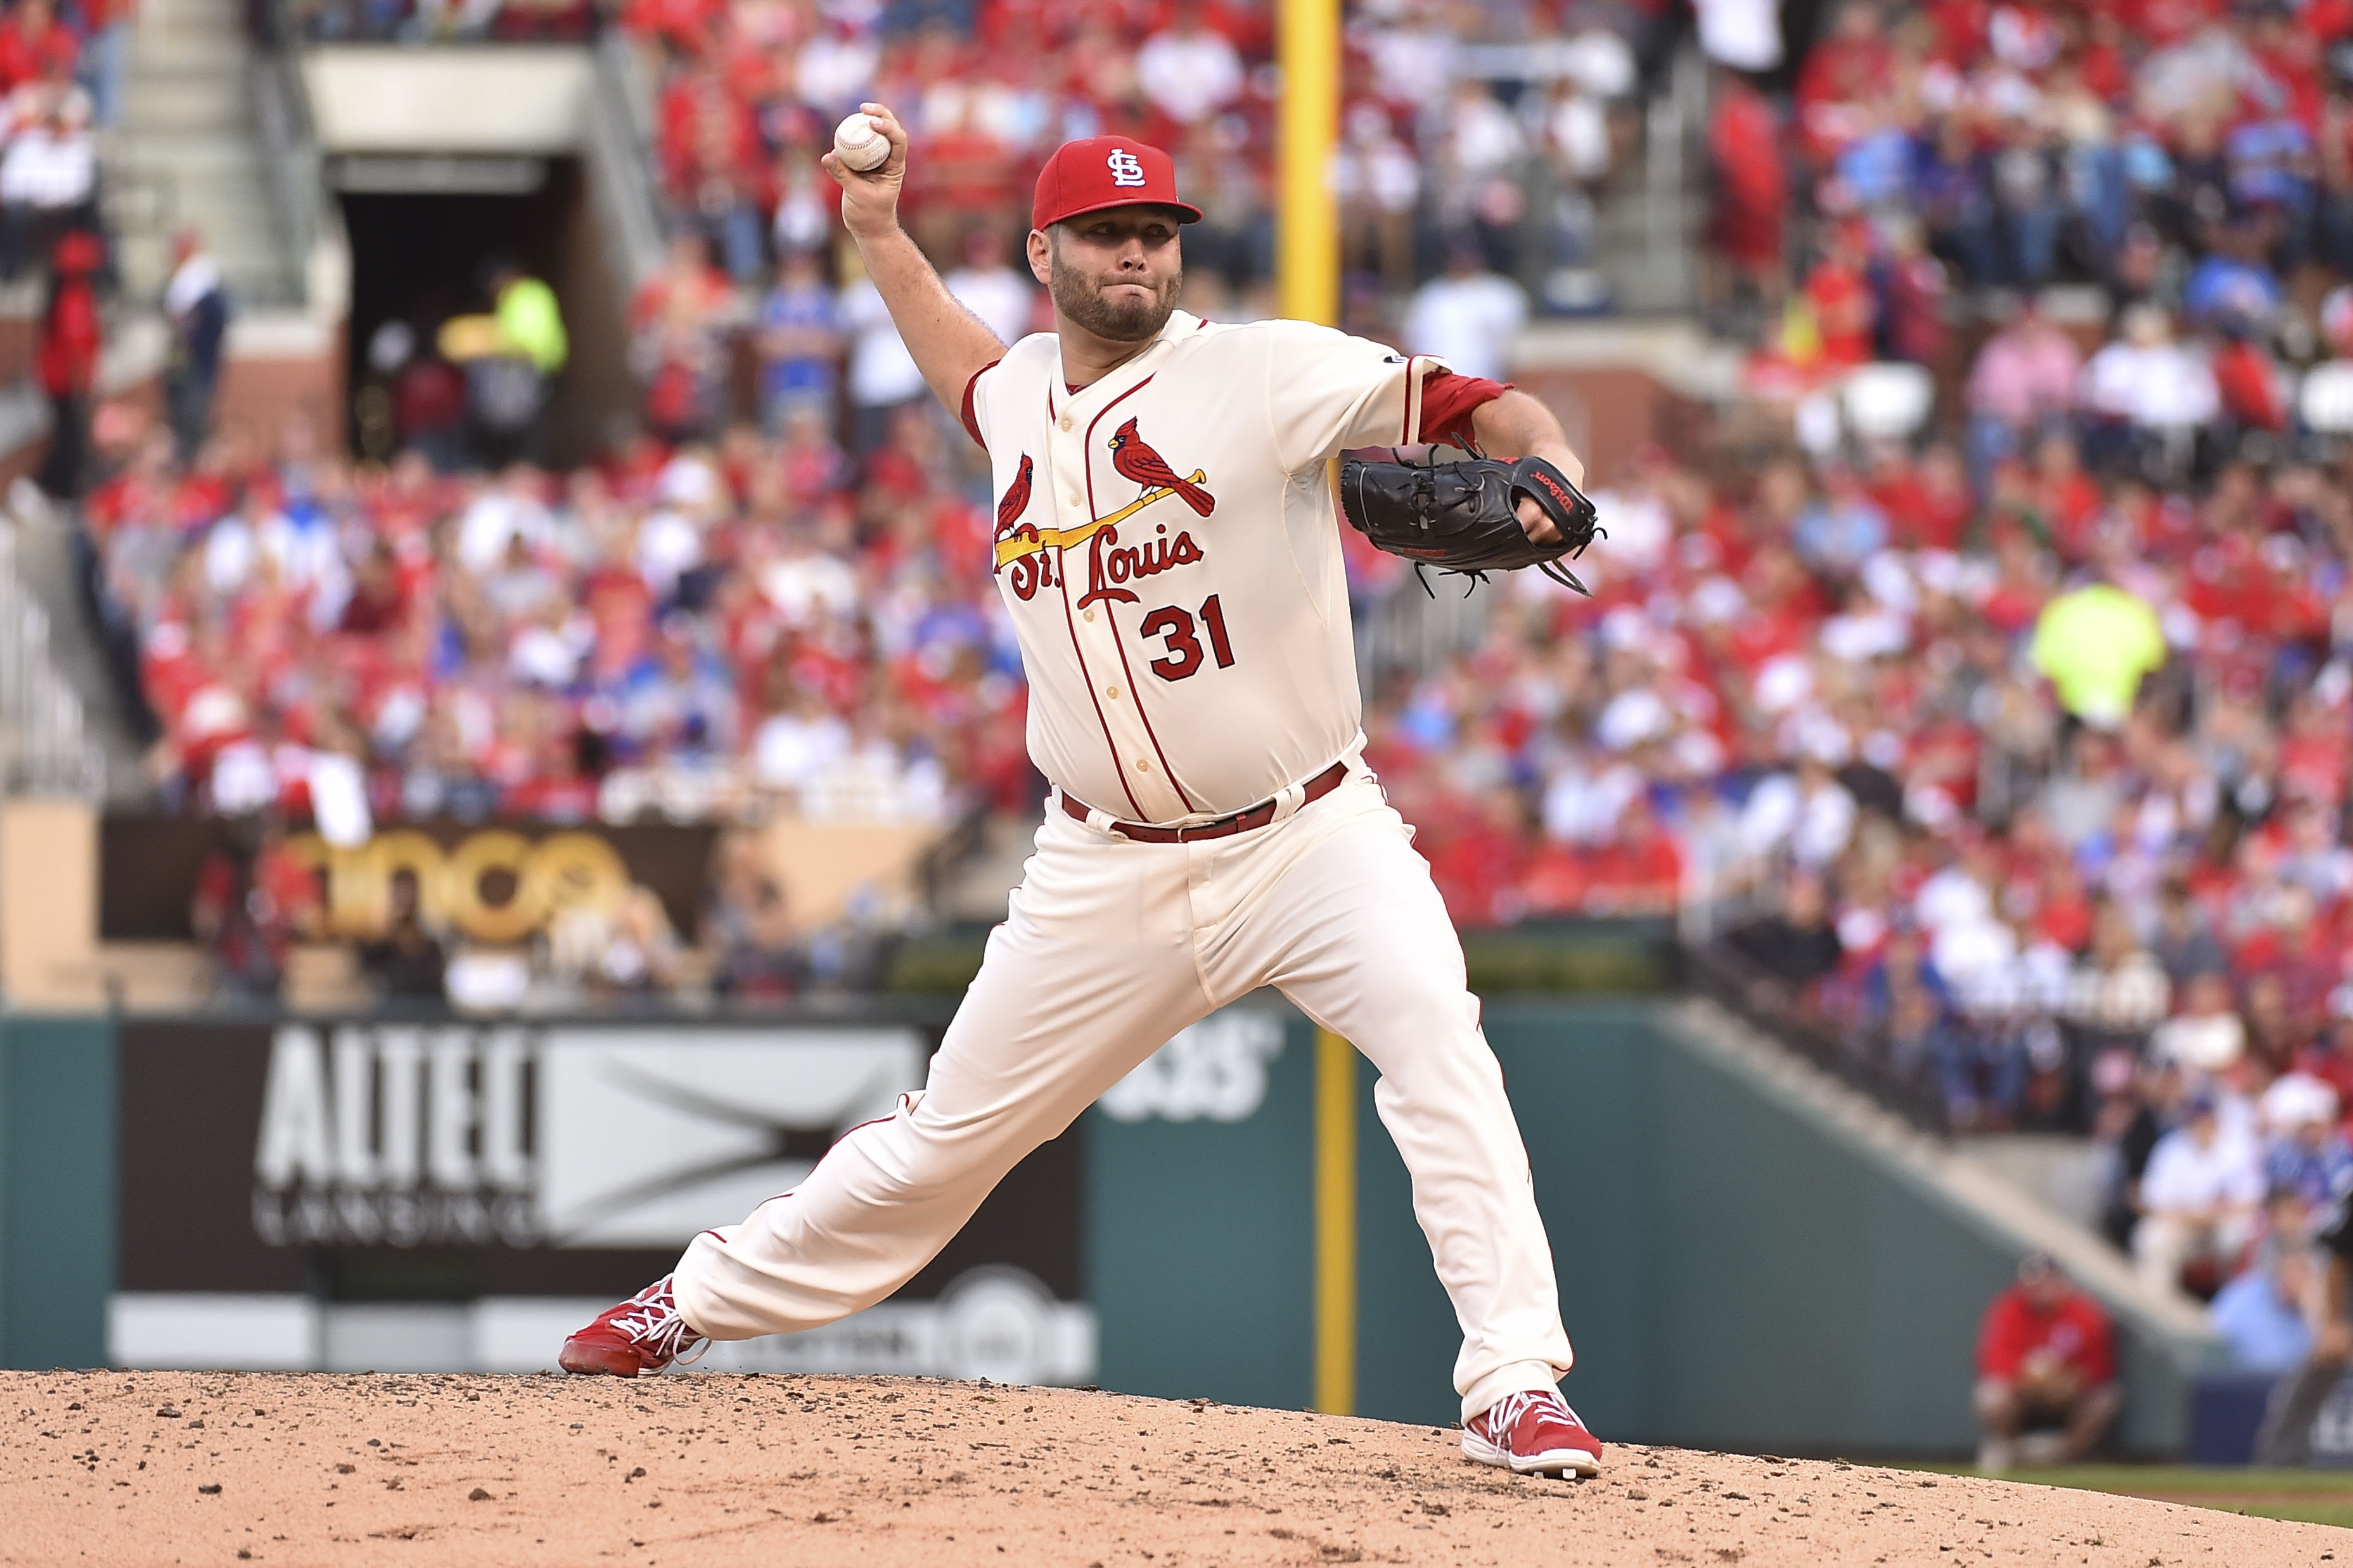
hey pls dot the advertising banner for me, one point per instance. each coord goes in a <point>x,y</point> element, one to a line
<point>378,1194</point>
<point>490,883</point>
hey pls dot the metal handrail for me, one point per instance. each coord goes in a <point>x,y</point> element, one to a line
<point>45,747</point>
<point>623,172</point>
<point>289,144</point>
<point>1715,970</point>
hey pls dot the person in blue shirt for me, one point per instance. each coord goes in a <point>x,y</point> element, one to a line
<point>798,342</point>
<point>2234,285</point>
<point>2259,1315</point>
<point>1838,531</point>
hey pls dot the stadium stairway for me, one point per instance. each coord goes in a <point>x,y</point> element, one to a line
<point>192,148</point>
<point>1647,228</point>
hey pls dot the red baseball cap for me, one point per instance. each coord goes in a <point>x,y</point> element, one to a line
<point>1107,171</point>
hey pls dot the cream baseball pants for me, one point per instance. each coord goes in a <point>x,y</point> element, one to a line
<point>1108,948</point>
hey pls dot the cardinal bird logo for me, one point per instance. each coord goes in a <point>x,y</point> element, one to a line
<point>1137,461</point>
<point>1016,500</point>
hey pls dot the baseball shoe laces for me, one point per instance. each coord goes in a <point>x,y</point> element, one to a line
<point>1533,1433</point>
<point>644,1333</point>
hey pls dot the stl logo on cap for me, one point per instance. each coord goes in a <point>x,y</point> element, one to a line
<point>1126,168</point>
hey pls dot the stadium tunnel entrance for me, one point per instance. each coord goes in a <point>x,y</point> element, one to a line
<point>426,232</point>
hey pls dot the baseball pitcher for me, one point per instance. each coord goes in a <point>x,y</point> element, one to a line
<point>1167,546</point>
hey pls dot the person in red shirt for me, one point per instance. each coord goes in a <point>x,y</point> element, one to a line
<point>1840,294</point>
<point>1752,187</point>
<point>2046,1370</point>
<point>1843,74</point>
<point>68,360</point>
<point>32,44</point>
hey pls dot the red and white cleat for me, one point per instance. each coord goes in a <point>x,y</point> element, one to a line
<point>644,1333</point>
<point>1533,1434</point>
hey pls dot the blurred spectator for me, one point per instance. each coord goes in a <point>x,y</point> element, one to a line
<point>1378,183</point>
<point>883,376</point>
<point>987,285</point>
<point>105,55</point>
<point>2287,1435</point>
<point>2305,1155</point>
<point>2182,941</point>
<point>405,963</point>
<point>195,306</point>
<point>33,48</point>
<point>2021,389</point>
<point>2097,645</point>
<point>1751,186</point>
<point>2206,1037</point>
<point>798,344</point>
<point>2046,1389</point>
<point>749,928</point>
<point>253,899</point>
<point>2117,992</point>
<point>509,387</point>
<point>1743,34</point>
<point>1797,945</point>
<point>1468,317</point>
<point>429,409</point>
<point>48,173</point>
<point>2145,396</point>
<point>2259,1315</point>
<point>68,360</point>
<point>2197,1199</point>
<point>1189,70</point>
<point>679,323</point>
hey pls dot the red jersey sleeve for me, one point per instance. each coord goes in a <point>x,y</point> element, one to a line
<point>971,423</point>
<point>1449,400</point>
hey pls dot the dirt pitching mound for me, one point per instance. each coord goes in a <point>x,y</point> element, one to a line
<point>206,1468</point>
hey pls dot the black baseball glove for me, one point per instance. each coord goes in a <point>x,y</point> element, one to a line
<point>1464,517</point>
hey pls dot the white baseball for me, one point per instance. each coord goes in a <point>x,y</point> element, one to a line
<point>860,146</point>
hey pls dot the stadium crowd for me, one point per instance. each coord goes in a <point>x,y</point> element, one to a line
<point>2048,705</point>
<point>1498,121</point>
<point>2027,736</point>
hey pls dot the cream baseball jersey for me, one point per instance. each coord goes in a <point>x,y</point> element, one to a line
<point>1168,543</point>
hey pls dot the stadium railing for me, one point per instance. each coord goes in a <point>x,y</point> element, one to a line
<point>44,748</point>
<point>1716,970</point>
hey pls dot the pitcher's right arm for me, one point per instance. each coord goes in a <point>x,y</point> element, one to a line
<point>950,344</point>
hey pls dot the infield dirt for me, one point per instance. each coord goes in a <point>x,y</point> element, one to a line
<point>127,1468</point>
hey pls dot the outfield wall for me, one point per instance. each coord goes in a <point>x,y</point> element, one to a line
<point>1747,1259</point>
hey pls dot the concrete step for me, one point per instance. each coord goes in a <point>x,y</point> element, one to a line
<point>181,18</point>
<point>227,151</point>
<point>198,195</point>
<point>186,51</point>
<point>213,61</point>
<point>175,115</point>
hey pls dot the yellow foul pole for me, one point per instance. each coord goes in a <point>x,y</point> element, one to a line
<point>1308,279</point>
<point>1308,231</point>
<point>1336,1224</point>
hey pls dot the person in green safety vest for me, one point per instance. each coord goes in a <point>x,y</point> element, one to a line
<point>530,322</point>
<point>506,387</point>
<point>2094,644</point>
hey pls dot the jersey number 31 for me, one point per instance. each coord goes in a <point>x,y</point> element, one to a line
<point>1184,655</point>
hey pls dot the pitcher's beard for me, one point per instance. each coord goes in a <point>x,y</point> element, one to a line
<point>1132,322</point>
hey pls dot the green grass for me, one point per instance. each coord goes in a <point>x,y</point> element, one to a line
<point>2311,1497</point>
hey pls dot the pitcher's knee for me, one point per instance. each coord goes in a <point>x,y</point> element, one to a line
<point>916,1156</point>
